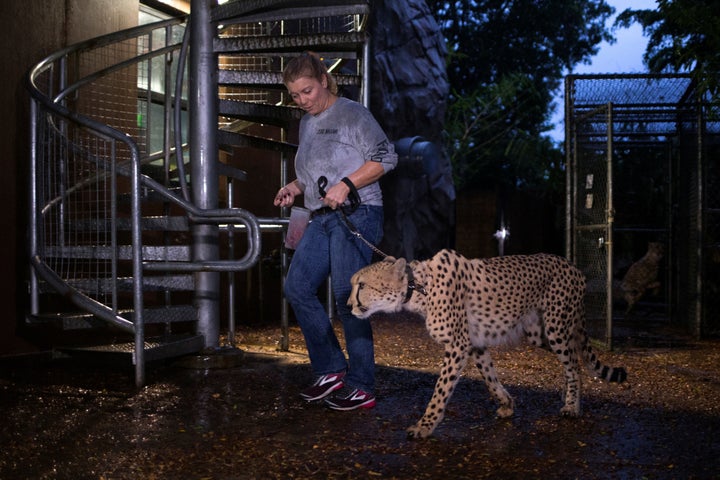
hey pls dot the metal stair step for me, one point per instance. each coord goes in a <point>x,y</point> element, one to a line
<point>165,282</point>
<point>326,42</point>
<point>148,195</point>
<point>170,253</point>
<point>81,320</point>
<point>279,116</point>
<point>175,283</point>
<point>229,171</point>
<point>242,140</point>
<point>162,223</point>
<point>268,10</point>
<point>224,170</point>
<point>272,80</point>
<point>155,348</point>
<point>158,223</point>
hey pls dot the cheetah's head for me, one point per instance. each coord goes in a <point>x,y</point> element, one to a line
<point>379,287</point>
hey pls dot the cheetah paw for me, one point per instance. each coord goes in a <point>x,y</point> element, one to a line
<point>570,411</point>
<point>504,412</point>
<point>418,431</point>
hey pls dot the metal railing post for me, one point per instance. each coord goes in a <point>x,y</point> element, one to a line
<point>203,73</point>
<point>34,201</point>
<point>609,241</point>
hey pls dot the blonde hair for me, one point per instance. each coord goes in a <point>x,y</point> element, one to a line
<point>309,64</point>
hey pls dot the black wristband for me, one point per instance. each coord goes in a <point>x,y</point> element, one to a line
<point>354,195</point>
<point>350,185</point>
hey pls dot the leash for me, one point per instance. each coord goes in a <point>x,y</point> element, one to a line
<point>354,198</point>
<point>354,231</point>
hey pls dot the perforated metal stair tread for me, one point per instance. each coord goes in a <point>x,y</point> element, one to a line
<point>175,223</point>
<point>124,284</point>
<point>279,116</point>
<point>81,320</point>
<point>328,42</point>
<point>122,252</point>
<point>242,140</point>
<point>268,10</point>
<point>272,80</point>
<point>155,348</point>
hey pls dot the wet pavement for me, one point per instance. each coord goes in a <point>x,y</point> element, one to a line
<point>75,419</point>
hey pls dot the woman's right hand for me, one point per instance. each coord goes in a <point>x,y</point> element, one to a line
<point>285,197</point>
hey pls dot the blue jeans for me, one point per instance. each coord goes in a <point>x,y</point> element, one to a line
<point>328,248</point>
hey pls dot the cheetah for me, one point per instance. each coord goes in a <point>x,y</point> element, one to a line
<point>470,305</point>
<point>643,276</point>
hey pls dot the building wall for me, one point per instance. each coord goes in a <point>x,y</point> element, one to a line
<point>29,31</point>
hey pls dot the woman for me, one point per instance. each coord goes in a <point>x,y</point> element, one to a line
<point>341,154</point>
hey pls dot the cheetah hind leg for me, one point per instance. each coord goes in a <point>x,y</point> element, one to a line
<point>483,361</point>
<point>568,354</point>
<point>454,362</point>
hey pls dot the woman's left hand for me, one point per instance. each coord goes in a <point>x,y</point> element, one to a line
<point>285,197</point>
<point>336,195</point>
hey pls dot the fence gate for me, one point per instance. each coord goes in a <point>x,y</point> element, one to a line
<point>591,214</point>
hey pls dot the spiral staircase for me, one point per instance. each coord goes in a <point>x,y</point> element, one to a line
<point>136,151</point>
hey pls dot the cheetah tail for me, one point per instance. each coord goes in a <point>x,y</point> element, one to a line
<point>609,374</point>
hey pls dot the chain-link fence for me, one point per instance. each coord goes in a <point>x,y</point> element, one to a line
<point>642,171</point>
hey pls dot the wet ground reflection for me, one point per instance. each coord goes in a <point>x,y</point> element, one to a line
<point>72,419</point>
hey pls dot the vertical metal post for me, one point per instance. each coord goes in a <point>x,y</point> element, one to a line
<point>569,172</point>
<point>671,275</point>
<point>34,202</point>
<point>231,275</point>
<point>700,222</point>
<point>610,219</point>
<point>148,120</point>
<point>284,258</point>
<point>167,140</point>
<point>203,73</point>
<point>167,107</point>
<point>137,258</point>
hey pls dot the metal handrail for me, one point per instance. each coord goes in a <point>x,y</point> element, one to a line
<point>48,106</point>
<point>103,40</point>
<point>197,215</point>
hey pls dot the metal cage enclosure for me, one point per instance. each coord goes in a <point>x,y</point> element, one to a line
<point>642,167</point>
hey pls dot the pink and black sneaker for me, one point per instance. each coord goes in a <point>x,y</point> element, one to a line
<point>350,399</point>
<point>323,386</point>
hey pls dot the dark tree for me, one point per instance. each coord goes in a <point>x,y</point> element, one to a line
<point>684,35</point>
<point>506,61</point>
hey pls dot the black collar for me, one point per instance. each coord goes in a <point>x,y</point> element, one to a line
<point>411,285</point>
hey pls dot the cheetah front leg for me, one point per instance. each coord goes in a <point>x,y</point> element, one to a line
<point>484,363</point>
<point>454,361</point>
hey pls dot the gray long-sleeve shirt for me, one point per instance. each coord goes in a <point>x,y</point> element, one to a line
<point>337,142</point>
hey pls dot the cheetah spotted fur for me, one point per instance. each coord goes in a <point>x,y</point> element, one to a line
<point>472,304</point>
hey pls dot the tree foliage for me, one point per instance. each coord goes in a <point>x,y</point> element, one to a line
<point>506,61</point>
<point>683,35</point>
<point>488,145</point>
